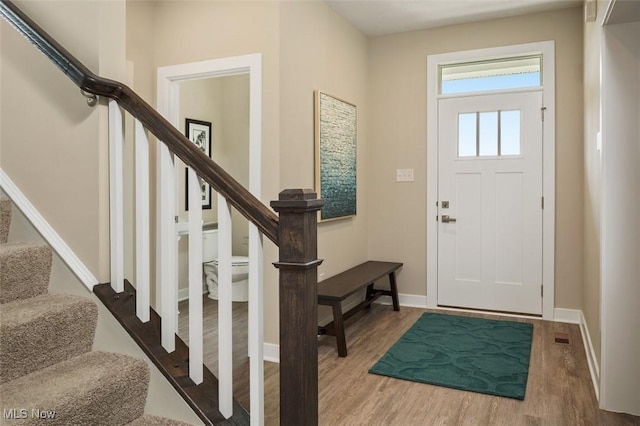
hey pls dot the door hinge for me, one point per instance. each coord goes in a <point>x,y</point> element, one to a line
<point>436,218</point>
<point>542,203</point>
<point>541,290</point>
<point>542,110</point>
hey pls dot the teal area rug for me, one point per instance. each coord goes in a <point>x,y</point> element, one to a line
<point>473,354</point>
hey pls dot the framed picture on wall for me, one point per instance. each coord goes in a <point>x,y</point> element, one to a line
<point>198,132</point>
<point>336,143</point>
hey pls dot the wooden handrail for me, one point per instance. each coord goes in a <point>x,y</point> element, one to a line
<point>243,200</point>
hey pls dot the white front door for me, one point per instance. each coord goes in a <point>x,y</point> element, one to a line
<point>490,202</point>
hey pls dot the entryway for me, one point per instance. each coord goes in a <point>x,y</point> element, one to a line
<point>491,180</point>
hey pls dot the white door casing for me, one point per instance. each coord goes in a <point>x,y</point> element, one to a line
<point>547,50</point>
<point>491,256</point>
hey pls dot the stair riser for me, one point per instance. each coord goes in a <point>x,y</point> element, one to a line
<point>5,219</point>
<point>53,337</point>
<point>24,271</point>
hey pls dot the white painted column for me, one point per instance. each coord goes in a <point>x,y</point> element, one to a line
<point>256,292</point>
<point>195,279</point>
<point>256,327</point>
<point>166,285</point>
<point>116,195</point>
<point>142,223</point>
<point>225,314</point>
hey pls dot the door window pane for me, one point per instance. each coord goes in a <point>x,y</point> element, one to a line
<point>510,132</point>
<point>488,133</point>
<point>500,74</point>
<point>467,135</point>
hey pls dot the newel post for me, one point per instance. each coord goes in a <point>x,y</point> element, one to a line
<point>298,265</point>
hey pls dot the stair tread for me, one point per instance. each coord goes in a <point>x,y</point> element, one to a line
<point>156,421</point>
<point>93,388</point>
<point>44,330</point>
<point>24,270</point>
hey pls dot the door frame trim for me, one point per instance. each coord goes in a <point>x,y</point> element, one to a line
<point>547,49</point>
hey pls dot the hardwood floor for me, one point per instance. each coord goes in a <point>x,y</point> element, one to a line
<point>559,389</point>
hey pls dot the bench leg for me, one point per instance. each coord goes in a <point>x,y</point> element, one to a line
<point>338,326</point>
<point>394,291</point>
<point>369,294</point>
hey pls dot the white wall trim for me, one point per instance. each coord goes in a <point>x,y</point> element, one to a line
<point>594,367</point>
<point>272,352</point>
<point>406,300</point>
<point>183,293</point>
<point>547,49</point>
<point>48,233</point>
<point>576,316</point>
<point>571,316</point>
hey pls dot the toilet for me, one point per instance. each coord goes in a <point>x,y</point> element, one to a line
<point>239,268</point>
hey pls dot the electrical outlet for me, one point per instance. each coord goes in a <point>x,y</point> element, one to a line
<point>404,175</point>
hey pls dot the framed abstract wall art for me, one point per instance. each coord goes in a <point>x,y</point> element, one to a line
<point>199,132</point>
<point>335,155</point>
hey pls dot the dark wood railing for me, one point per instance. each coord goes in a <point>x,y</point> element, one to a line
<point>295,232</point>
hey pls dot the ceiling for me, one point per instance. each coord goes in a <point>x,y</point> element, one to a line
<point>380,17</point>
<point>624,11</point>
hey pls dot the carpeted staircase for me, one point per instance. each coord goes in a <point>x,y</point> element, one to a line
<point>48,371</point>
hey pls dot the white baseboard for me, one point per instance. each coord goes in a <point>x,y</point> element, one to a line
<point>576,316</point>
<point>271,352</point>
<point>407,300</point>
<point>594,368</point>
<point>183,293</point>
<point>571,316</point>
<point>48,233</point>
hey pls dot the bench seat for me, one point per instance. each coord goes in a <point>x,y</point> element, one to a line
<point>334,290</point>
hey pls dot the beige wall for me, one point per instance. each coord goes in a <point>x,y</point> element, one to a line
<point>52,144</point>
<point>320,51</point>
<point>592,182</point>
<point>397,85</point>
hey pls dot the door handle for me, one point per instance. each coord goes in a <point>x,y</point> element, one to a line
<point>447,219</point>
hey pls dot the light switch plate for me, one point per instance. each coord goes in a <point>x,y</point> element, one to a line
<point>404,175</point>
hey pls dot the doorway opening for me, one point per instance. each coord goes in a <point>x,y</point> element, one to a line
<point>491,179</point>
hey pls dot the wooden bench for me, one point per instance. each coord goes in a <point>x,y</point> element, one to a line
<point>334,290</point>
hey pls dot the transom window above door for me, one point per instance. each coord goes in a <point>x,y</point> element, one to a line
<point>489,134</point>
<point>497,74</point>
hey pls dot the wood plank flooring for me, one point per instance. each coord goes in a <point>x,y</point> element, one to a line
<point>559,389</point>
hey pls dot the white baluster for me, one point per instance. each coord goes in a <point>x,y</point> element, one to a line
<point>142,223</point>
<point>225,315</point>
<point>166,249</point>
<point>256,328</point>
<point>116,194</point>
<point>195,279</point>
